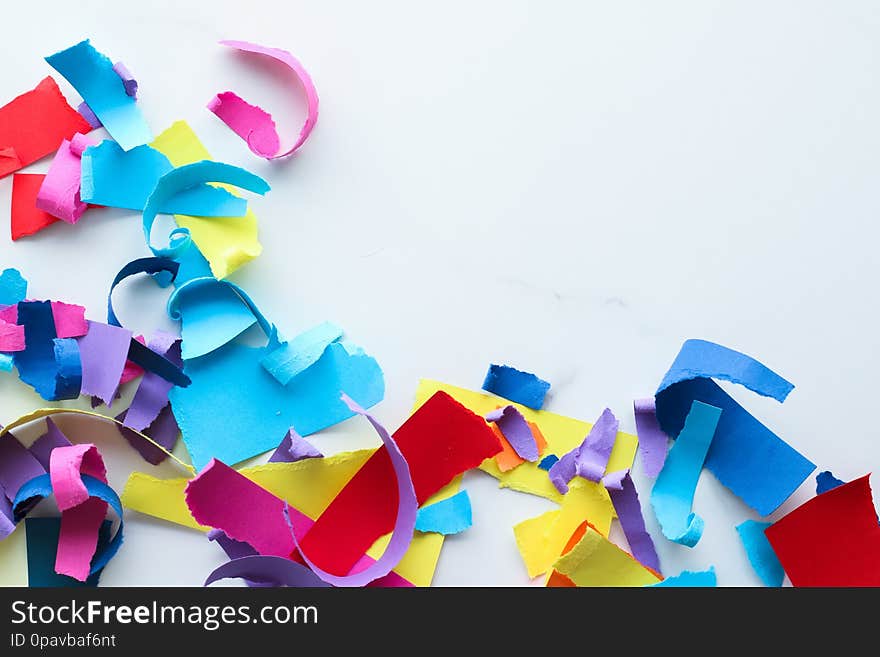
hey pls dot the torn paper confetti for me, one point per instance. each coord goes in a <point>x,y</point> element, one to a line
<point>92,75</point>
<point>596,561</point>
<point>451,516</point>
<point>760,552</point>
<point>690,579</point>
<point>653,443</point>
<point>625,499</point>
<point>743,449</point>
<point>254,124</point>
<point>590,458</point>
<point>673,494</point>
<point>59,194</point>
<point>516,432</point>
<point>521,387</point>
<point>25,217</point>
<point>34,124</point>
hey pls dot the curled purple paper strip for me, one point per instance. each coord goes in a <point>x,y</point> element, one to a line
<point>516,431</point>
<point>128,81</point>
<point>590,458</point>
<point>653,443</point>
<point>404,526</point>
<point>625,499</point>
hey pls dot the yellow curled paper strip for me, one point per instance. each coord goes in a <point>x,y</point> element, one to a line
<point>596,561</point>
<point>226,242</point>
<point>562,434</point>
<point>542,539</point>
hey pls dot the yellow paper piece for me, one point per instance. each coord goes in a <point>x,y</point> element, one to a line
<point>226,242</point>
<point>596,561</point>
<point>542,539</point>
<point>562,433</point>
<point>13,558</point>
<point>308,485</point>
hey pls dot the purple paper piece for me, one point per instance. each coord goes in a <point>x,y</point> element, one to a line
<point>653,443</point>
<point>163,430</point>
<point>128,81</point>
<point>236,550</point>
<point>268,571</point>
<point>103,350</point>
<point>152,393</point>
<point>90,117</point>
<point>7,517</point>
<point>294,448</point>
<point>17,466</point>
<point>590,458</point>
<point>516,431</point>
<point>625,499</point>
<point>43,446</point>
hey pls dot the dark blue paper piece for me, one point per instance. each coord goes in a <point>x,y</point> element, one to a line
<point>826,481</point>
<point>521,387</point>
<point>42,545</point>
<point>752,461</point>
<point>38,364</point>
<point>548,461</point>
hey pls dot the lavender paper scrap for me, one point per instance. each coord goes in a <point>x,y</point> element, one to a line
<point>516,431</point>
<point>653,443</point>
<point>42,447</point>
<point>294,448</point>
<point>625,499</point>
<point>17,466</point>
<point>103,350</point>
<point>590,458</point>
<point>152,393</point>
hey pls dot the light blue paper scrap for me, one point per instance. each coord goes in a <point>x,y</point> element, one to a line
<point>297,355</point>
<point>234,409</point>
<point>673,494</point>
<point>690,579</point>
<point>125,179</point>
<point>92,75</point>
<point>450,516</point>
<point>13,287</point>
<point>760,552</point>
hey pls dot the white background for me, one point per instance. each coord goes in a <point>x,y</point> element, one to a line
<point>573,188</point>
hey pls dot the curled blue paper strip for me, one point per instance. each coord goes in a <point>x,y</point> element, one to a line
<point>450,516</point>
<point>760,552</point>
<point>40,488</point>
<point>753,462</point>
<point>92,75</point>
<point>181,182</point>
<point>673,494</point>
<point>299,354</point>
<point>115,178</point>
<point>690,579</point>
<point>150,266</point>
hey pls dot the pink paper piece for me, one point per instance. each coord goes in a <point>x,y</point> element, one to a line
<point>11,337</point>
<point>103,352</point>
<point>131,371</point>
<point>222,498</point>
<point>249,122</point>
<point>59,193</point>
<point>255,125</point>
<point>9,314</point>
<point>66,467</point>
<point>70,320</point>
<point>81,516</point>
<point>78,538</point>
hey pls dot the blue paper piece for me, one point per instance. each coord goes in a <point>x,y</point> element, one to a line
<point>213,317</point>
<point>13,287</point>
<point>92,75</point>
<point>450,516</point>
<point>40,488</point>
<point>690,579</point>
<point>69,377</point>
<point>760,552</point>
<point>120,179</point>
<point>42,545</point>
<point>234,410</point>
<point>37,364</point>
<point>153,266</point>
<point>753,462</point>
<point>548,461</point>
<point>673,494</point>
<point>6,362</point>
<point>826,481</point>
<point>521,387</point>
<point>180,182</point>
<point>296,356</point>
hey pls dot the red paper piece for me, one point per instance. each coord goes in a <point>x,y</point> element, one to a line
<point>831,540</point>
<point>439,441</point>
<point>34,124</point>
<point>27,218</point>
